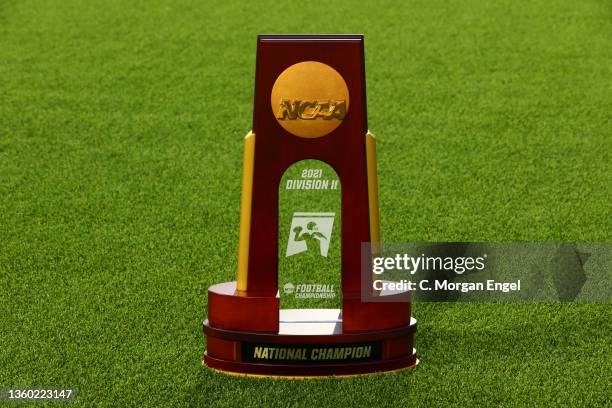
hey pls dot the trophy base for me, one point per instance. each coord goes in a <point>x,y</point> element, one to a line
<point>310,343</point>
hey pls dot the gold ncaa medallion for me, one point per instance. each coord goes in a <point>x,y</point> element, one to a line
<point>309,99</point>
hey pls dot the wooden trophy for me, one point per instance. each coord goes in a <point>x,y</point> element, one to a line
<point>310,103</point>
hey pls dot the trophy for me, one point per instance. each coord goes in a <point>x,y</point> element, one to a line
<point>309,106</point>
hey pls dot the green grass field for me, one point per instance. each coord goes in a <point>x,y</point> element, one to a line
<point>121,128</point>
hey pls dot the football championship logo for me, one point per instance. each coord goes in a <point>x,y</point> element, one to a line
<point>310,231</point>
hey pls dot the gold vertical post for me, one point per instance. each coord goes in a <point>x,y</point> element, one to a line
<point>373,191</point>
<point>245,211</point>
<point>373,199</point>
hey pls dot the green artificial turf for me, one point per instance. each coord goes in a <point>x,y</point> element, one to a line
<point>121,128</point>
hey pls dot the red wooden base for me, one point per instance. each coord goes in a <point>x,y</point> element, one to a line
<point>313,355</point>
<point>299,342</point>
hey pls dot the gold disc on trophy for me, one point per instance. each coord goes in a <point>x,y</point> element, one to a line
<point>310,99</point>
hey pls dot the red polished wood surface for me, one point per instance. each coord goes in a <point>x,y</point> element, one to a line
<point>276,150</point>
<point>229,310</point>
<point>404,332</point>
<point>363,316</point>
<point>224,348</point>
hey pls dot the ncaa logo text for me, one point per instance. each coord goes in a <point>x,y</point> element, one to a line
<point>311,109</point>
